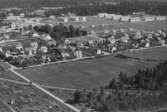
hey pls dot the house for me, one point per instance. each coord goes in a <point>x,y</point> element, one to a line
<point>34,45</point>
<point>102,15</point>
<point>164,34</point>
<point>47,37</point>
<point>125,38</point>
<point>99,52</point>
<point>111,39</point>
<point>150,36</point>
<point>78,54</point>
<point>52,42</point>
<point>44,49</point>
<point>137,35</point>
<point>149,18</point>
<point>109,16</point>
<point>116,17</point>
<point>35,35</point>
<point>52,17</point>
<point>160,18</point>
<point>13,25</point>
<point>125,18</point>
<point>74,18</point>
<point>6,36</point>
<point>8,54</point>
<point>29,51</point>
<point>63,19</point>
<point>147,44</point>
<point>30,48</point>
<point>19,46</point>
<point>114,49</point>
<point>83,19</point>
<point>135,19</point>
<point>64,54</point>
<point>22,15</point>
<point>162,42</point>
<point>1,50</point>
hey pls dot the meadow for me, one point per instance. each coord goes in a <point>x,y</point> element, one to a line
<point>93,73</point>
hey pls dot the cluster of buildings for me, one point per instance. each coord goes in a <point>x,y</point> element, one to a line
<point>71,19</point>
<point>125,39</point>
<point>22,46</point>
<point>131,18</point>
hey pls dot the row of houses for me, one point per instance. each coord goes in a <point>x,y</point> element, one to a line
<point>131,18</point>
<point>72,19</point>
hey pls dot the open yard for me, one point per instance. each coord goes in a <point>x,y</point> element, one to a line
<point>93,72</point>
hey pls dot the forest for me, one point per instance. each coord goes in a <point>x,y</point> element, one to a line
<point>146,90</point>
<point>124,8</point>
<point>91,7</point>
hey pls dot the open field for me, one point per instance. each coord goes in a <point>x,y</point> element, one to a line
<point>5,73</point>
<point>92,73</point>
<point>112,24</point>
<point>83,74</point>
<point>148,26</point>
<point>3,107</point>
<point>159,54</point>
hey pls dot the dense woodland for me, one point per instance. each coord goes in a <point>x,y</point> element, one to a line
<point>146,90</point>
<point>149,79</point>
<point>157,8</point>
<point>47,3</point>
<point>91,7</point>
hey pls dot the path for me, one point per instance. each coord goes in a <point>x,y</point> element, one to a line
<point>60,101</point>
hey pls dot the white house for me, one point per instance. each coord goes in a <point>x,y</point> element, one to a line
<point>35,35</point>
<point>99,51</point>
<point>102,15</point>
<point>47,37</point>
<point>83,19</point>
<point>160,18</point>
<point>135,19</point>
<point>22,15</point>
<point>63,19</point>
<point>78,54</point>
<point>149,18</point>
<point>74,18</point>
<point>44,49</point>
<point>116,17</point>
<point>125,18</point>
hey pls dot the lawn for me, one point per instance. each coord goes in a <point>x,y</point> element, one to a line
<point>91,73</point>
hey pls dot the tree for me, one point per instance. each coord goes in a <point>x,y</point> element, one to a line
<point>77,95</point>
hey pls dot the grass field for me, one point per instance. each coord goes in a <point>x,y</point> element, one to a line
<point>4,108</point>
<point>5,73</point>
<point>113,24</point>
<point>92,73</point>
<point>148,26</point>
<point>159,54</point>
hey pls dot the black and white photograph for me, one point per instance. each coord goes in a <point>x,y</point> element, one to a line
<point>83,55</point>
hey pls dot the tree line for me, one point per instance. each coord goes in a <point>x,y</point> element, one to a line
<point>124,7</point>
<point>149,79</point>
<point>143,91</point>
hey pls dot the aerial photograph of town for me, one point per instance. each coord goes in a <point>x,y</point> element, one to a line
<point>83,55</point>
